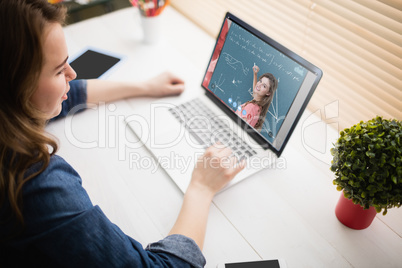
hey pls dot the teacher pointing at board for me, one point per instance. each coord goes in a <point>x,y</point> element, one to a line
<point>46,217</point>
<point>255,111</point>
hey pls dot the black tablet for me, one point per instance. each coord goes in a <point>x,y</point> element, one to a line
<point>94,64</point>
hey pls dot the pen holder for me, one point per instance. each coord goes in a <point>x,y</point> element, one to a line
<point>151,27</point>
<point>151,23</point>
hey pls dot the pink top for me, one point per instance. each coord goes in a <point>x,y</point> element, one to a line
<point>250,113</point>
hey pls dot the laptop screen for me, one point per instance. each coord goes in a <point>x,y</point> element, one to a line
<point>260,81</point>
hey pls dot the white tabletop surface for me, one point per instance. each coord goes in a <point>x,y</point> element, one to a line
<point>284,212</point>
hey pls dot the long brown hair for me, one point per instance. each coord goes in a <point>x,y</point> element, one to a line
<point>23,140</point>
<point>266,101</point>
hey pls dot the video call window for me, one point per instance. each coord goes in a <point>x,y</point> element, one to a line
<point>258,82</point>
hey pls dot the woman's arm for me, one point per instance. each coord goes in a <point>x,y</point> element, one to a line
<point>164,84</point>
<point>256,69</point>
<point>213,171</point>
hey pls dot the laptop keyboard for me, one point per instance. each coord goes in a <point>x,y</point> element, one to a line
<point>207,128</point>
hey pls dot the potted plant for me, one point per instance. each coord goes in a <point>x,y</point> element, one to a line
<point>367,162</point>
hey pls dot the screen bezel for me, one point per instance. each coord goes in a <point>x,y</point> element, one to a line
<point>303,62</point>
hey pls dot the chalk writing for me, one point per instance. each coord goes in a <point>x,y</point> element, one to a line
<point>218,85</point>
<point>234,63</point>
<point>264,55</point>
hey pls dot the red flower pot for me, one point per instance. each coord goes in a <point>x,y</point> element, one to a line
<point>352,215</point>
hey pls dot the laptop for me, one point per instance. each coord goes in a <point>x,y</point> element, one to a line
<point>236,106</point>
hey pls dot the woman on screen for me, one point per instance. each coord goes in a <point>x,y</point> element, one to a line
<point>46,217</point>
<point>255,111</point>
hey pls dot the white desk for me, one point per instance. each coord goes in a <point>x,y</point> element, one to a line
<point>285,212</point>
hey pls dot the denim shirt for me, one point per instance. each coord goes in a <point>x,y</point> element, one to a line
<point>64,229</point>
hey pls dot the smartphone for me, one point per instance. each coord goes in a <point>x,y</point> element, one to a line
<point>93,64</point>
<point>255,264</point>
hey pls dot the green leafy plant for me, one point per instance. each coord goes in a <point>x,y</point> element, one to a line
<point>367,162</point>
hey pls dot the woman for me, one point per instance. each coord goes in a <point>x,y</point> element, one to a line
<point>255,111</point>
<point>46,217</point>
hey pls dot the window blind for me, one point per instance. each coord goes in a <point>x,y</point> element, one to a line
<point>357,43</point>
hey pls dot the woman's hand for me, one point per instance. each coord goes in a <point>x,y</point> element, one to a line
<point>256,69</point>
<point>165,84</point>
<point>215,169</point>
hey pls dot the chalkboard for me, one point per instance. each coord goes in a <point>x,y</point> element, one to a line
<point>232,80</point>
